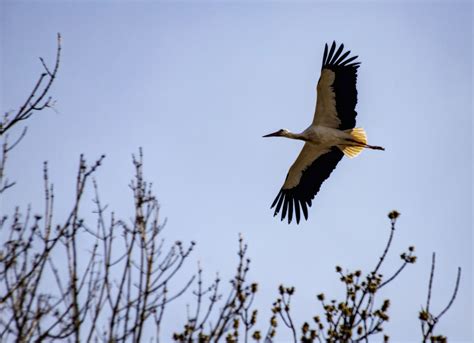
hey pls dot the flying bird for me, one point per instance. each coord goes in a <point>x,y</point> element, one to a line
<point>331,135</point>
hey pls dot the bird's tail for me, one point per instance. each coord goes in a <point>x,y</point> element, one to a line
<point>357,143</point>
<point>359,137</point>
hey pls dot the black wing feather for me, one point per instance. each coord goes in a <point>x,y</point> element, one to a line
<point>309,185</point>
<point>337,54</point>
<point>344,85</point>
<point>331,51</point>
<point>348,60</point>
<point>342,57</point>
<point>276,199</point>
<point>297,210</point>
<point>325,55</point>
<point>290,209</point>
<point>305,209</point>
<point>285,205</point>
<point>280,202</point>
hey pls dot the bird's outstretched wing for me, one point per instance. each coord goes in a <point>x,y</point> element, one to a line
<point>337,93</point>
<point>313,165</point>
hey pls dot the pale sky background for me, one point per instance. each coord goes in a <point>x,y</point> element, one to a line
<point>197,84</point>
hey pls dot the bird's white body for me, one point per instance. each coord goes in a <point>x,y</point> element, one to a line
<point>325,136</point>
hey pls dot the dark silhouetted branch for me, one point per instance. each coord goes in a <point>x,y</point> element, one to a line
<point>427,319</point>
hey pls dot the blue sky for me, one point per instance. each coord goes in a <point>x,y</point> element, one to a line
<point>197,85</point>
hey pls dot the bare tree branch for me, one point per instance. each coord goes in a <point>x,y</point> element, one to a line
<point>427,319</point>
<point>35,102</point>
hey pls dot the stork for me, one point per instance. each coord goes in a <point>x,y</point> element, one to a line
<point>331,135</point>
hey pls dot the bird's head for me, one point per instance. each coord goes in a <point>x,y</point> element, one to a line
<point>279,133</point>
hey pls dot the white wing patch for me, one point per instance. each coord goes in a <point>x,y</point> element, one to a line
<point>308,154</point>
<point>326,114</point>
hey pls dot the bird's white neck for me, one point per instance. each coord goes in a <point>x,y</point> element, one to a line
<point>292,135</point>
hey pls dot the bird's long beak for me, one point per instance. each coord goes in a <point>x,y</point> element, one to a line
<point>274,134</point>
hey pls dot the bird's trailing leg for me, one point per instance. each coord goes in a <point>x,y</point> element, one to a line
<point>374,147</point>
